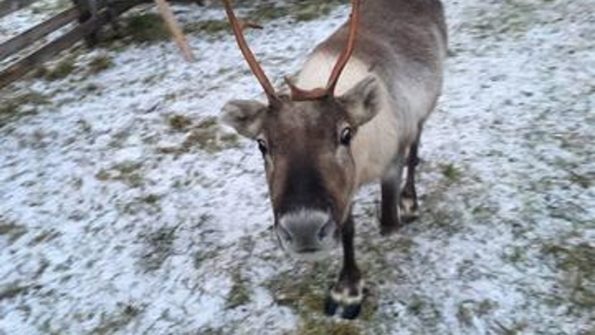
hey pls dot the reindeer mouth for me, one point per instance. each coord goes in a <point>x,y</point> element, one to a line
<point>306,234</point>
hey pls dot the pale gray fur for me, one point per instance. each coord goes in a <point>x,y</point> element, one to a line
<point>402,43</point>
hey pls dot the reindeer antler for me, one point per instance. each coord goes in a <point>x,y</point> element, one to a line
<point>238,28</point>
<point>298,94</point>
<point>346,54</point>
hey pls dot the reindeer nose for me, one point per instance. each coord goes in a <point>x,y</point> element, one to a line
<point>326,230</point>
<point>306,231</point>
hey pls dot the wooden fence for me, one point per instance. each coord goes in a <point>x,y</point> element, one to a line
<point>88,24</point>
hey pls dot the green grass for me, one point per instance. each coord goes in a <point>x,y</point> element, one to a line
<point>305,292</point>
<point>469,309</point>
<point>207,27</point>
<point>301,291</point>
<point>44,236</point>
<point>239,294</point>
<point>211,331</point>
<point>207,122</point>
<point>159,246</point>
<point>451,172</point>
<point>111,323</point>
<point>425,310</point>
<point>50,6</point>
<point>267,12</point>
<point>296,11</point>
<point>311,10</point>
<point>511,18</point>
<point>206,136</point>
<point>576,271</point>
<point>145,28</point>
<point>127,172</point>
<point>516,255</point>
<point>581,180</point>
<point>151,199</point>
<point>61,70</point>
<point>100,63</point>
<point>149,204</point>
<point>202,138</point>
<point>179,122</point>
<point>17,104</point>
<point>12,230</point>
<point>328,327</point>
<point>12,290</point>
<point>465,315</point>
<point>202,256</point>
<point>8,109</point>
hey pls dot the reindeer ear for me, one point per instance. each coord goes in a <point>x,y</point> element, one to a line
<point>245,116</point>
<point>362,102</point>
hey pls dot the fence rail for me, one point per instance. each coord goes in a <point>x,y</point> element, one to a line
<point>32,35</point>
<point>89,23</point>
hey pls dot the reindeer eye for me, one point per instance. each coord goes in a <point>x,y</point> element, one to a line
<point>346,136</point>
<point>262,146</point>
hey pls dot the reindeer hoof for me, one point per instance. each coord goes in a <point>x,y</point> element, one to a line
<point>408,209</point>
<point>347,299</point>
<point>348,312</point>
<point>409,218</point>
<point>389,227</point>
<point>330,306</point>
<point>388,230</point>
<point>351,312</point>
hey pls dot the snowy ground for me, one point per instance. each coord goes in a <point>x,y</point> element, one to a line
<point>124,208</point>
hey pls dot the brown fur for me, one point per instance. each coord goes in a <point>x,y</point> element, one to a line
<point>283,130</point>
<point>385,94</point>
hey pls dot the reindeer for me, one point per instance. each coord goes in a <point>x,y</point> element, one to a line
<point>354,115</point>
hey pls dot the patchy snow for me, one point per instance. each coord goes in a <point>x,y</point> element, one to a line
<point>19,21</point>
<point>114,221</point>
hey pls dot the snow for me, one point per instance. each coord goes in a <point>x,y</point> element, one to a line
<point>118,235</point>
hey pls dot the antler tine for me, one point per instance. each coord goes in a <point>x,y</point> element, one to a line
<point>238,28</point>
<point>298,94</point>
<point>346,54</point>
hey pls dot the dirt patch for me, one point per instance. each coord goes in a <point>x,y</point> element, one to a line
<point>12,230</point>
<point>14,105</point>
<point>576,271</point>
<point>128,172</point>
<point>207,135</point>
<point>239,294</point>
<point>112,323</point>
<point>100,63</point>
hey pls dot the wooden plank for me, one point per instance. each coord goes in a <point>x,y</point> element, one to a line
<point>9,6</point>
<point>65,41</point>
<point>174,28</point>
<point>30,36</point>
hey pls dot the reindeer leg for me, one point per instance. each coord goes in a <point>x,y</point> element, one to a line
<point>348,292</point>
<point>390,217</point>
<point>408,203</point>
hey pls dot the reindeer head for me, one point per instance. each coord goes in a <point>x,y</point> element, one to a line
<point>305,139</point>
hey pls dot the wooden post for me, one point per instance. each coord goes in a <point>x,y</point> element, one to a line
<point>174,28</point>
<point>20,68</point>
<point>88,10</point>
<point>32,35</point>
